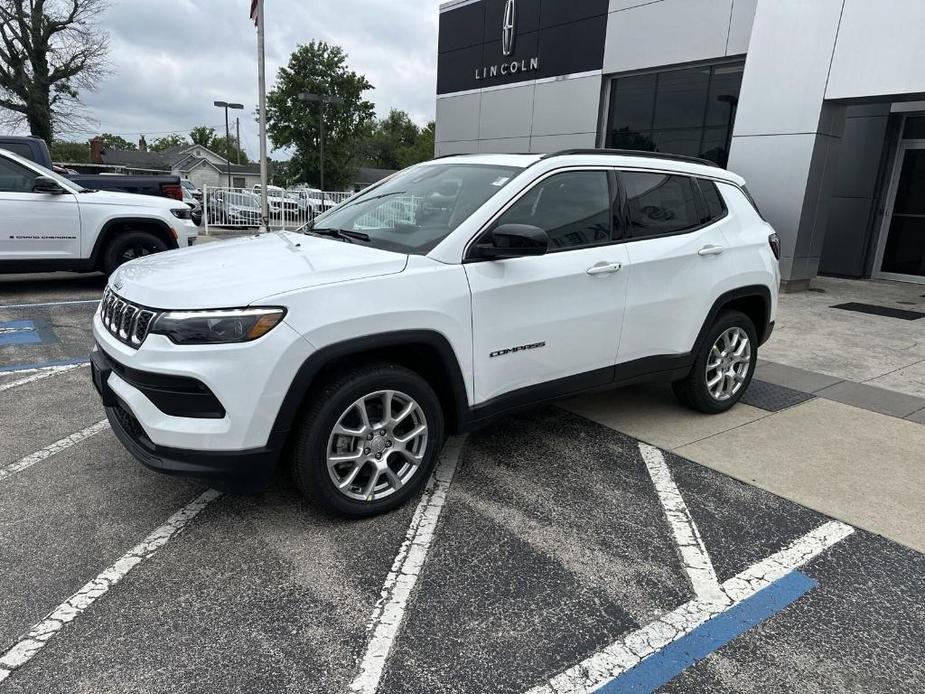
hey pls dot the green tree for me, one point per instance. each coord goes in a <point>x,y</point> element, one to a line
<point>116,142</point>
<point>229,150</point>
<point>388,141</point>
<point>202,135</point>
<point>70,152</point>
<point>397,142</point>
<point>49,51</point>
<point>162,143</point>
<point>320,68</point>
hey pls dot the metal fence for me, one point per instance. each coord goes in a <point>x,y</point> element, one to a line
<point>239,208</point>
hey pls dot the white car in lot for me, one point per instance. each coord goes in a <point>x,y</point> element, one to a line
<point>513,280</point>
<point>279,205</point>
<point>49,223</point>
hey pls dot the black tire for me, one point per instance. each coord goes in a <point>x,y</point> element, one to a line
<point>692,391</point>
<point>328,403</point>
<point>125,246</point>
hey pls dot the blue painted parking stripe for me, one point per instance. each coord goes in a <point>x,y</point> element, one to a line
<point>13,368</point>
<point>52,303</point>
<point>660,668</point>
<point>19,332</point>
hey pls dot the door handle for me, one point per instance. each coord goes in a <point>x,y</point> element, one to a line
<point>604,268</point>
<point>711,250</point>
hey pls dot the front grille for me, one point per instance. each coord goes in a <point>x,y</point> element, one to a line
<point>127,322</point>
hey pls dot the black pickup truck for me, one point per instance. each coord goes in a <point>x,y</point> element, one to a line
<point>35,149</point>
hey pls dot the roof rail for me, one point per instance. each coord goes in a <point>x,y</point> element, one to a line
<point>480,154</point>
<point>634,153</point>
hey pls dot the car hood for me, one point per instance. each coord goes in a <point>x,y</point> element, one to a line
<point>112,197</point>
<point>244,271</point>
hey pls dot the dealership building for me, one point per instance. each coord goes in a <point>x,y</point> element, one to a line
<point>819,104</point>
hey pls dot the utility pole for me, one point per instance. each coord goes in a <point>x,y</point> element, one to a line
<point>225,105</point>
<point>237,127</point>
<point>322,102</point>
<point>257,15</point>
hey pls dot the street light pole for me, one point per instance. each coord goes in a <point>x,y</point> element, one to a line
<point>323,101</point>
<point>237,128</point>
<point>225,105</point>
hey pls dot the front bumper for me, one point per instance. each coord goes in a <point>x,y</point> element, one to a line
<point>243,471</point>
<point>248,380</point>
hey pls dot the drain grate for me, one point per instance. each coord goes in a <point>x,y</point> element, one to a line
<point>888,312</point>
<point>772,397</point>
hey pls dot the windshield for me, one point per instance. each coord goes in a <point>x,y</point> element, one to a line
<point>417,208</point>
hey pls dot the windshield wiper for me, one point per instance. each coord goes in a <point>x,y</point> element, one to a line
<point>384,195</point>
<point>342,234</point>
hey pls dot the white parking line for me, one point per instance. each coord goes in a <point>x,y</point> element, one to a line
<point>694,555</point>
<point>39,635</point>
<point>629,651</point>
<point>39,374</point>
<point>390,609</point>
<point>52,449</point>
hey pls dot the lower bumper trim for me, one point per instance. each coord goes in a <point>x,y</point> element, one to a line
<point>246,471</point>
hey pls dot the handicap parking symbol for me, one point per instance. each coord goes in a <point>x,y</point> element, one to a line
<point>25,332</point>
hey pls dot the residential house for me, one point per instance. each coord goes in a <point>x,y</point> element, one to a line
<point>199,164</point>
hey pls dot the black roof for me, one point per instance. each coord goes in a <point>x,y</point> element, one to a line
<point>618,152</point>
<point>634,153</point>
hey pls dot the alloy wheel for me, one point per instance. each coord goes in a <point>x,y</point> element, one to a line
<point>377,445</point>
<point>139,249</point>
<point>728,364</point>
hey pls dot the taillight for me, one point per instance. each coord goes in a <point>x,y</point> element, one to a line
<point>774,241</point>
<point>172,190</point>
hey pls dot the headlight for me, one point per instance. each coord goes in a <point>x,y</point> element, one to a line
<point>181,214</point>
<point>217,327</point>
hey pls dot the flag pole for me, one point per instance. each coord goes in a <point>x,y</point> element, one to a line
<point>262,86</point>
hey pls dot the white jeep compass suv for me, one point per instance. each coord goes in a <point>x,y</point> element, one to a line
<point>453,292</point>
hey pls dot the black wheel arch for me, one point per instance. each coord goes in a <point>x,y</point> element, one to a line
<point>426,352</point>
<point>124,224</point>
<point>753,300</point>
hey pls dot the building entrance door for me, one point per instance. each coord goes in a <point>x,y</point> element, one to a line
<point>901,251</point>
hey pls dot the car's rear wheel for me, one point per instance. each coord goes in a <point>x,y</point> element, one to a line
<point>126,246</point>
<point>368,441</point>
<point>723,368</point>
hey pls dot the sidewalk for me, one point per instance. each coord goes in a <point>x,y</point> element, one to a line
<point>834,419</point>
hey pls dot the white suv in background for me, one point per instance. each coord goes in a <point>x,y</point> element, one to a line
<point>50,223</point>
<point>456,291</point>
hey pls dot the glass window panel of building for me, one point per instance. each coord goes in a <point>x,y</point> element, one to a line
<point>687,111</point>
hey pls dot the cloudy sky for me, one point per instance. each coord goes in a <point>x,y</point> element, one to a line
<point>172,58</point>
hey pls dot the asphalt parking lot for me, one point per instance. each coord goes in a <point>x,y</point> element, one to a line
<point>549,554</point>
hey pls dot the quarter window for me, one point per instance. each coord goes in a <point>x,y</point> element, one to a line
<point>659,204</point>
<point>716,208</point>
<point>573,208</point>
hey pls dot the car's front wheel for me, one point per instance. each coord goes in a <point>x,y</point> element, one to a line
<point>126,246</point>
<point>724,366</point>
<point>368,441</point>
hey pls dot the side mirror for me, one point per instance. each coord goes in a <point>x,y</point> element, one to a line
<point>513,241</point>
<point>46,184</point>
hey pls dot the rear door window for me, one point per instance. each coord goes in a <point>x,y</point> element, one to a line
<point>659,204</point>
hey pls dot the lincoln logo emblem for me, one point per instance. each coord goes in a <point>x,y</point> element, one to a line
<point>507,27</point>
